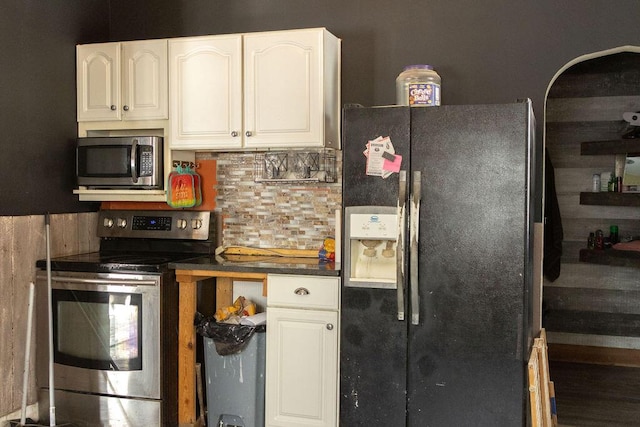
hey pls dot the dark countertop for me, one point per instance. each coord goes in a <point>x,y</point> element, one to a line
<point>259,264</point>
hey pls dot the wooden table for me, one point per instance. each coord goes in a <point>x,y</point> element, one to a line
<point>247,266</point>
<point>187,280</point>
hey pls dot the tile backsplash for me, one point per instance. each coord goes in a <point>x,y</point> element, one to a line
<point>273,215</point>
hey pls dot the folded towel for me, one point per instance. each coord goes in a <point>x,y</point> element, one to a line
<point>633,245</point>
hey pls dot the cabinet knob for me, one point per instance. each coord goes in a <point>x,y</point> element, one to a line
<point>330,326</point>
<point>113,108</point>
<point>248,133</point>
<point>301,291</point>
<point>234,133</point>
<point>125,108</point>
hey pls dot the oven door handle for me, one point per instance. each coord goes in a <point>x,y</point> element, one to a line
<point>104,281</point>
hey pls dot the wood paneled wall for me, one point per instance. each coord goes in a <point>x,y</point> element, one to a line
<point>22,243</point>
<point>589,304</point>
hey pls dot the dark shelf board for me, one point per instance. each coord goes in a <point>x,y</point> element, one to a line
<point>611,257</point>
<point>615,146</point>
<point>610,198</point>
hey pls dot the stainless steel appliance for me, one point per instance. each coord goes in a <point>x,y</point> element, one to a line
<point>462,199</point>
<point>120,162</point>
<point>115,315</point>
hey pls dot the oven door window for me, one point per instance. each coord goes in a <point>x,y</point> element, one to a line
<point>97,330</point>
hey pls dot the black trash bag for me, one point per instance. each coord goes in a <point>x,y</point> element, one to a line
<point>228,338</point>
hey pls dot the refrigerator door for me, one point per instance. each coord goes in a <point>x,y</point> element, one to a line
<point>373,346</point>
<point>361,125</point>
<point>466,357</point>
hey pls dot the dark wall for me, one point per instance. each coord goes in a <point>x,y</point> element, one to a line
<point>37,118</point>
<point>486,52</point>
<point>489,51</point>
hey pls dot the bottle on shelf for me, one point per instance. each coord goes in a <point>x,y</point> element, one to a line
<point>613,234</point>
<point>599,240</point>
<point>613,183</point>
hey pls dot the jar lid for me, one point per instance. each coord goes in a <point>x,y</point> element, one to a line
<point>418,67</point>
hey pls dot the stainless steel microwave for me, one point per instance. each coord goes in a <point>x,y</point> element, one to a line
<point>120,162</point>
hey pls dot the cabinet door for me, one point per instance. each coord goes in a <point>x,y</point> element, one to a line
<point>144,80</point>
<point>205,90</point>
<point>98,81</point>
<point>283,89</point>
<point>302,367</point>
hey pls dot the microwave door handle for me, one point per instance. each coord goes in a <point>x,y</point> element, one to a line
<point>413,235</point>
<point>134,157</point>
<point>402,204</point>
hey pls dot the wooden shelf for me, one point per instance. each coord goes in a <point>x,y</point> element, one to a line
<point>610,198</point>
<point>611,257</point>
<point>615,146</point>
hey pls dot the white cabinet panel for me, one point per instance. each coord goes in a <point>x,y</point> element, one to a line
<point>206,92</point>
<point>312,292</point>
<point>98,81</point>
<point>283,87</point>
<point>145,85</point>
<point>302,351</point>
<point>302,348</point>
<point>122,81</point>
<point>277,89</point>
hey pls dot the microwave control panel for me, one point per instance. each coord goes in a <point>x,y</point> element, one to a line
<point>146,160</point>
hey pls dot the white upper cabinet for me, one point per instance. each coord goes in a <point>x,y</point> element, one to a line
<point>291,87</point>
<point>206,92</point>
<point>122,81</point>
<point>278,89</point>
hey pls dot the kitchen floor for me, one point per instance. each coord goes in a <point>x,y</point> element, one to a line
<point>596,395</point>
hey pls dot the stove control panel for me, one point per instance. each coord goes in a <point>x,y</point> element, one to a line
<point>189,225</point>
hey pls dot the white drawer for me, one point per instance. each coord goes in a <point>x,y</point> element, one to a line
<point>320,293</point>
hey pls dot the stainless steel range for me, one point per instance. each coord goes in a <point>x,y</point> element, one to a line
<point>115,315</point>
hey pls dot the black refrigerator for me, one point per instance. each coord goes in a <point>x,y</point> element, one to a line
<point>450,346</point>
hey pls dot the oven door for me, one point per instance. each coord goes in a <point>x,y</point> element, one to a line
<point>106,333</point>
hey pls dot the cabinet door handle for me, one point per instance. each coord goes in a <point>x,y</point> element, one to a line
<point>248,133</point>
<point>301,291</point>
<point>234,133</point>
<point>330,326</point>
<point>125,108</point>
<point>113,108</point>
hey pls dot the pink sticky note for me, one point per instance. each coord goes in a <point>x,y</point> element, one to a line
<point>393,166</point>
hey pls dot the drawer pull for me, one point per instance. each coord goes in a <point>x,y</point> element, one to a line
<point>330,326</point>
<point>301,291</point>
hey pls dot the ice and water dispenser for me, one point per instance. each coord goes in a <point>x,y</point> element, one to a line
<point>371,244</point>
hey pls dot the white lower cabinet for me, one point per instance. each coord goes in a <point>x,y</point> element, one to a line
<point>302,351</point>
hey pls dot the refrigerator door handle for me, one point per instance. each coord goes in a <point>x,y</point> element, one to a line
<point>402,206</point>
<point>413,246</point>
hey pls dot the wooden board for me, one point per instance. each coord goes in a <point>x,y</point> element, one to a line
<point>545,396</point>
<point>28,246</point>
<point>539,384</point>
<point>534,389</point>
<point>23,242</point>
<point>291,253</point>
<point>208,175</point>
<point>6,316</point>
<point>594,355</point>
